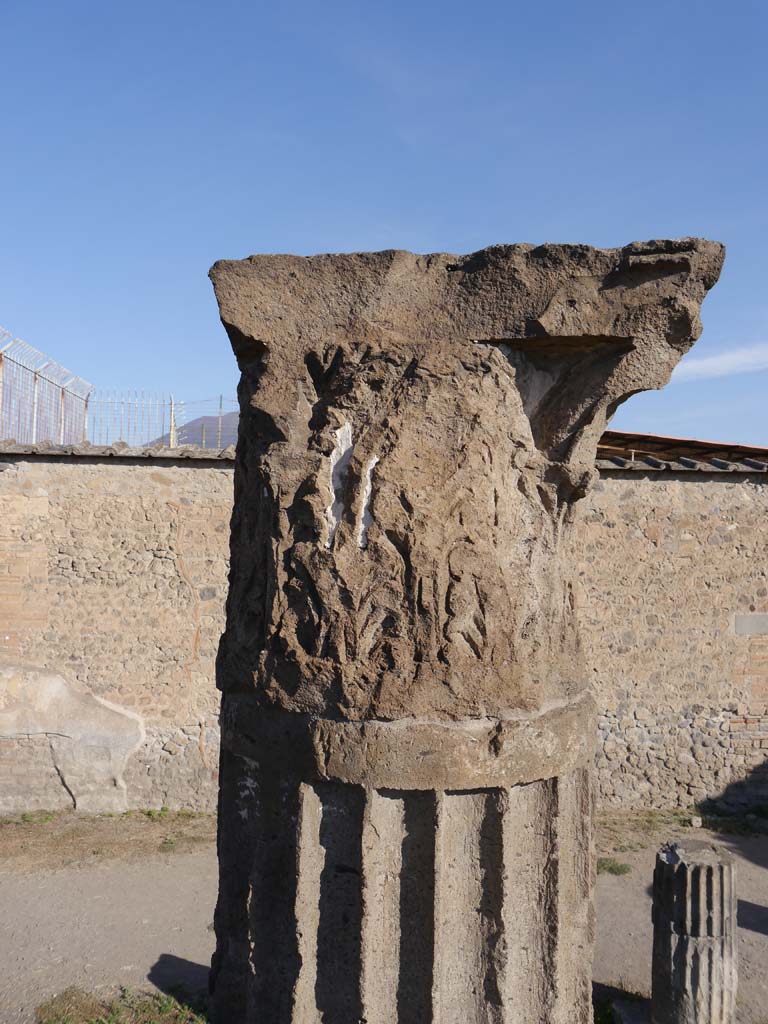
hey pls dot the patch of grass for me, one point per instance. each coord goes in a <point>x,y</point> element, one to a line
<point>37,817</point>
<point>154,814</point>
<point>37,839</point>
<point>627,847</point>
<point>611,866</point>
<point>70,1007</point>
<point>77,1007</point>
<point>635,830</point>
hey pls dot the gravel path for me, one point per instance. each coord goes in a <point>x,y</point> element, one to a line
<point>147,922</point>
<point>104,925</point>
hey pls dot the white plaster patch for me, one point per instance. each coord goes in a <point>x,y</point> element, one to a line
<point>340,459</point>
<point>366,518</point>
<point>90,739</point>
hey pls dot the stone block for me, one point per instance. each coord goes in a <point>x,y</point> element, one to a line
<point>751,624</point>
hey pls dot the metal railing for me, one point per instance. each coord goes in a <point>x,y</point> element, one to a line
<point>40,400</point>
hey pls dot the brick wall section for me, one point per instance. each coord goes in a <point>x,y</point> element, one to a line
<point>113,573</point>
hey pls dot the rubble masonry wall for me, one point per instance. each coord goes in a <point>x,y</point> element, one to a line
<point>113,573</point>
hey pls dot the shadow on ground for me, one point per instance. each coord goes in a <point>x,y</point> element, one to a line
<point>183,979</point>
<point>605,997</point>
<point>753,917</point>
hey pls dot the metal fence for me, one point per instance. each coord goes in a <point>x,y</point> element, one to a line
<point>143,420</point>
<point>40,400</point>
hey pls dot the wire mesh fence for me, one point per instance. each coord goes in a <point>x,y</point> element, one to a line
<point>142,420</point>
<point>209,423</point>
<point>40,400</point>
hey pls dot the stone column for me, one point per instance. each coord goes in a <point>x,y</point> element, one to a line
<point>694,935</point>
<point>405,808</point>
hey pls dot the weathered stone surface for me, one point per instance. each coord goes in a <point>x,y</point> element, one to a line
<point>405,803</point>
<point>89,741</point>
<point>455,402</point>
<point>694,935</point>
<point>417,753</point>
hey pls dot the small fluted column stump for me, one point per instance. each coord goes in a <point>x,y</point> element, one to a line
<point>694,935</point>
<point>405,808</point>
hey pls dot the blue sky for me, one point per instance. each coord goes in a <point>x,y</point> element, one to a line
<point>143,141</point>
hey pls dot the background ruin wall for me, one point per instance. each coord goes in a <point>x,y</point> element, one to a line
<point>113,573</point>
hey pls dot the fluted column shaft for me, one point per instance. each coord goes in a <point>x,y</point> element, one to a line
<point>694,935</point>
<point>360,899</point>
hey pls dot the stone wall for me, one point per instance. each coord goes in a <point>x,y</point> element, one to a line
<point>674,591</point>
<point>113,576</point>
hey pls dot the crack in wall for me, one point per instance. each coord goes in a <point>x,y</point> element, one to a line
<point>60,774</point>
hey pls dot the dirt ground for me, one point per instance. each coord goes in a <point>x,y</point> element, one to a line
<point>104,902</point>
<point>623,903</point>
<point>44,841</point>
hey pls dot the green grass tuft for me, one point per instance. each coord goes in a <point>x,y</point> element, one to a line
<point>77,1007</point>
<point>150,812</point>
<point>611,866</point>
<point>37,817</point>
